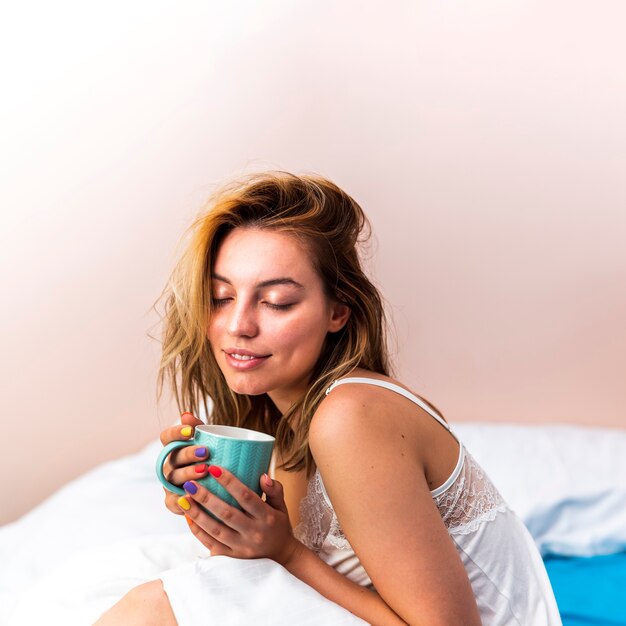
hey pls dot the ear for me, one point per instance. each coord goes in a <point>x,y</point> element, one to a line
<point>340,312</point>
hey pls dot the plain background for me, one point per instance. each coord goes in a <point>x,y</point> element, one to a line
<point>486,140</point>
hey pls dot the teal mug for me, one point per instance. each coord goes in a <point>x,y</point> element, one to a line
<point>244,452</point>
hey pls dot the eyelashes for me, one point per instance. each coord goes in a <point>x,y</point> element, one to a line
<point>220,302</point>
<point>278,307</point>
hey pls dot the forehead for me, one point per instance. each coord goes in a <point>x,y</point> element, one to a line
<point>254,255</point>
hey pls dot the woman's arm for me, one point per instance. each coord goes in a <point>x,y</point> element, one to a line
<point>360,601</point>
<point>368,454</point>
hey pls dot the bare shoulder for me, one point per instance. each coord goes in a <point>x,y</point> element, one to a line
<point>355,417</point>
<point>359,434</point>
<point>363,413</point>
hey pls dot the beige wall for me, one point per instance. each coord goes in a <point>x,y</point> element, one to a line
<point>486,140</point>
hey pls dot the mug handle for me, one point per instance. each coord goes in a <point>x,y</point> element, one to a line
<point>173,445</point>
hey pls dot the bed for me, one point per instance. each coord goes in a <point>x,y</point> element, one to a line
<point>75,554</point>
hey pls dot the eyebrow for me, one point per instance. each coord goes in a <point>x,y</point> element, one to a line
<point>265,283</point>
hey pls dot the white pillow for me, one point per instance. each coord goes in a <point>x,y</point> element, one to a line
<point>567,483</point>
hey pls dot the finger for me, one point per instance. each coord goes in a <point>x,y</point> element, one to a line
<point>189,455</point>
<point>248,500</point>
<point>217,530</point>
<point>230,515</point>
<point>171,502</point>
<point>181,475</point>
<point>177,433</point>
<point>189,419</point>
<point>274,493</point>
<point>215,547</point>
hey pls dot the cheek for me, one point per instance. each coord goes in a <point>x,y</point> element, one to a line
<point>300,334</point>
<point>215,330</point>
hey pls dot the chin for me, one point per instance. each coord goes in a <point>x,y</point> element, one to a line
<point>247,387</point>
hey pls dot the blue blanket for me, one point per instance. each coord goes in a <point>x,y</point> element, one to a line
<point>589,590</point>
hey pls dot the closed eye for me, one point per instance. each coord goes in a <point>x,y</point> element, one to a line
<point>218,302</point>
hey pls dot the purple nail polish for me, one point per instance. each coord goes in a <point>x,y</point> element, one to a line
<point>201,452</point>
<point>190,488</point>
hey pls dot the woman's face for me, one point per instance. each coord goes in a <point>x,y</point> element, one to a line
<point>270,315</point>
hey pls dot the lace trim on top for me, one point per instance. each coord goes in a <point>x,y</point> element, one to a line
<point>469,501</point>
<point>318,522</point>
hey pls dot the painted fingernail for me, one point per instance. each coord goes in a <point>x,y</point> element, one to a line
<point>200,469</point>
<point>189,521</point>
<point>187,413</point>
<point>190,488</point>
<point>186,431</point>
<point>201,452</point>
<point>183,503</point>
<point>215,471</point>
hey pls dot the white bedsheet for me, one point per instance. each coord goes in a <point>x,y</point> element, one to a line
<point>116,502</point>
<point>106,532</point>
<point>235,592</point>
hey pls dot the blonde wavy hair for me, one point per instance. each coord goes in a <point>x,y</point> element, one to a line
<point>331,226</point>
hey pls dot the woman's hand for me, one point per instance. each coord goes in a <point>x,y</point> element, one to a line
<point>183,464</point>
<point>260,530</point>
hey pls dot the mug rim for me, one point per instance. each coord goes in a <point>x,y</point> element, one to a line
<point>248,434</point>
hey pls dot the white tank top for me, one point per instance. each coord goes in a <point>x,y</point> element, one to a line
<point>503,564</point>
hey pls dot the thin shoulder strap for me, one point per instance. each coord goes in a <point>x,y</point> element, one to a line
<point>392,387</point>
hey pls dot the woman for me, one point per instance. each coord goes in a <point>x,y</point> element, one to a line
<point>375,503</point>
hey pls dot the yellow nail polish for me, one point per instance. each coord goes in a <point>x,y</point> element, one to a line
<point>185,432</point>
<point>183,503</point>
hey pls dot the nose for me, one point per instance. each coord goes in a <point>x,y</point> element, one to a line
<point>242,322</point>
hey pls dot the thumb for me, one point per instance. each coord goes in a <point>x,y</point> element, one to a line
<point>274,494</point>
<point>188,419</point>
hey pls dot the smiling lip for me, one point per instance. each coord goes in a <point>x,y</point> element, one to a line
<point>241,359</point>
